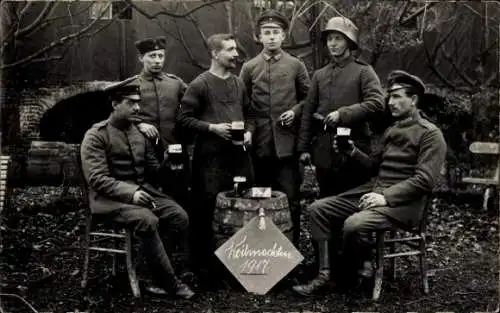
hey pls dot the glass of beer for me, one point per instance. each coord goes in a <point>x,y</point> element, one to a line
<point>239,185</point>
<point>175,156</point>
<point>238,132</point>
<point>343,135</point>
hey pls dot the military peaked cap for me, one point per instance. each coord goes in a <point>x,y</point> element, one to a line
<point>273,17</point>
<point>400,79</point>
<point>124,89</point>
<point>150,44</point>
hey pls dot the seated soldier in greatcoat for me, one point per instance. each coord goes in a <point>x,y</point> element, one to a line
<point>118,164</point>
<point>405,171</point>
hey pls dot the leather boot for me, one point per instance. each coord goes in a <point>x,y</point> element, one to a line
<point>320,283</point>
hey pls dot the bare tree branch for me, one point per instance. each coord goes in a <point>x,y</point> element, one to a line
<point>183,15</point>
<point>447,56</point>
<point>49,6</point>
<point>57,43</point>
<point>189,53</point>
<point>420,11</point>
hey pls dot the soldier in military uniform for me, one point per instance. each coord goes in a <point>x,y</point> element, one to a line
<point>406,169</point>
<point>342,87</point>
<point>277,84</point>
<point>160,100</point>
<point>118,164</point>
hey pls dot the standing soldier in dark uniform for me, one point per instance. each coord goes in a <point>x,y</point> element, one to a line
<point>160,98</point>
<point>343,86</point>
<point>118,164</point>
<point>406,169</point>
<point>277,83</point>
<point>212,101</point>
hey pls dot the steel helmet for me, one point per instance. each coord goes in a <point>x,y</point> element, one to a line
<point>342,25</point>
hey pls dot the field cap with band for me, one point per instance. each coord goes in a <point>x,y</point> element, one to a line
<point>150,44</point>
<point>124,89</point>
<point>399,79</point>
<point>273,18</point>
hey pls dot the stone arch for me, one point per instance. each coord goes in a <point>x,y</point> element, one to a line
<point>35,104</point>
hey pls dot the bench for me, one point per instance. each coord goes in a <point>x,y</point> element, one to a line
<point>487,148</point>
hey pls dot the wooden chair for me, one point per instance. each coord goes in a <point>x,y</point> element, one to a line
<point>93,241</point>
<point>4,191</point>
<point>416,241</point>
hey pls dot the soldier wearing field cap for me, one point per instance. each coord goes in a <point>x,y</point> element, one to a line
<point>119,166</point>
<point>405,171</point>
<point>277,83</point>
<point>345,92</point>
<point>160,100</point>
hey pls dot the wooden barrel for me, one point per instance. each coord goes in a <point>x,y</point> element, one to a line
<point>232,213</point>
<point>44,162</point>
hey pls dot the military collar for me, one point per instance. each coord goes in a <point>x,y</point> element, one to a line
<point>268,57</point>
<point>412,119</point>
<point>342,62</point>
<point>150,77</point>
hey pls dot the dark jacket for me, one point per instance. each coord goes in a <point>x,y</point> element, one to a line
<point>407,166</point>
<point>160,100</point>
<point>353,88</point>
<point>275,84</point>
<point>115,165</point>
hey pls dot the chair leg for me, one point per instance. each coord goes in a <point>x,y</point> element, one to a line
<point>392,261</point>
<point>134,283</point>
<point>379,266</point>
<point>114,264</point>
<point>423,265</point>
<point>86,256</point>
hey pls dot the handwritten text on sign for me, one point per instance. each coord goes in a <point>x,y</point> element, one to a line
<point>252,264</point>
<point>259,258</point>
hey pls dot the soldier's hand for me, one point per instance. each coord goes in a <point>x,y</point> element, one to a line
<point>371,200</point>
<point>339,147</point>
<point>141,197</point>
<point>148,130</point>
<point>305,158</point>
<point>332,119</point>
<point>287,117</point>
<point>222,130</point>
<point>247,140</point>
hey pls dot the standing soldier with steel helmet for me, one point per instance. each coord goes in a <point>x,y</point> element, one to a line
<point>277,83</point>
<point>346,92</point>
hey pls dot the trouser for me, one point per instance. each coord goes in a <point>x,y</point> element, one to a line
<point>282,174</point>
<point>212,173</point>
<point>339,219</point>
<point>145,223</point>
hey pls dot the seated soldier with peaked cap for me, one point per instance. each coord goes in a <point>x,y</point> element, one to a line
<point>118,163</point>
<point>405,169</point>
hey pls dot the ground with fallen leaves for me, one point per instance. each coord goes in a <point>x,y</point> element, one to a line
<point>41,262</point>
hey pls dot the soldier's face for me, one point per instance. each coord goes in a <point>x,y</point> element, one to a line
<point>153,61</point>
<point>400,104</point>
<point>271,37</point>
<point>337,44</point>
<point>127,108</point>
<point>228,55</point>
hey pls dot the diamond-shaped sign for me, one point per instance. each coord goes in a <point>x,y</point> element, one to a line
<point>259,258</point>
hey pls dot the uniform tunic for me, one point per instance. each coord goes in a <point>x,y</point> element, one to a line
<point>276,84</point>
<point>160,98</point>
<point>406,168</point>
<point>211,99</point>
<point>160,101</point>
<point>116,163</point>
<point>353,88</point>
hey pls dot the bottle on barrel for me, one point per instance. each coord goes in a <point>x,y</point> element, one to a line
<point>343,135</point>
<point>239,186</point>
<point>175,157</point>
<point>237,132</point>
